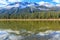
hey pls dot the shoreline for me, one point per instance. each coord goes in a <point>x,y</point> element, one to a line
<point>29,19</point>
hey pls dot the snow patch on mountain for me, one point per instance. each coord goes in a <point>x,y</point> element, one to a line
<point>47,4</point>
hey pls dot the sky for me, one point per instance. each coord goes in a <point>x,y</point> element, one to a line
<point>41,2</point>
<point>45,2</point>
<point>50,1</point>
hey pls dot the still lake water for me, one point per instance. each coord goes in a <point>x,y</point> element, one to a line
<point>40,30</point>
<point>28,35</point>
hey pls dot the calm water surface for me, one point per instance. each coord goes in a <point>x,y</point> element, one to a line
<point>28,35</point>
<point>39,30</point>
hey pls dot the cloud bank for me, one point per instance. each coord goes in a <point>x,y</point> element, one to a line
<point>50,4</point>
<point>15,0</point>
<point>46,4</point>
<point>57,1</point>
<point>9,1</point>
<point>4,3</point>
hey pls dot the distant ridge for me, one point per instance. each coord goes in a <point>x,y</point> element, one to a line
<point>20,7</point>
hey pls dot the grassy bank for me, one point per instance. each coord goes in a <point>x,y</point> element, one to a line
<point>29,19</point>
<point>30,25</point>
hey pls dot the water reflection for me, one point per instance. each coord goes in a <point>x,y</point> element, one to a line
<point>28,35</point>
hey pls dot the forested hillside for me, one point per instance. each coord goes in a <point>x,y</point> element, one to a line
<point>26,10</point>
<point>31,15</point>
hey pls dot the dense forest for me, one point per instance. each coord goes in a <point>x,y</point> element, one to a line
<point>31,15</point>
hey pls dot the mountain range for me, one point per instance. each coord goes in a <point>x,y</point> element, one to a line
<point>27,7</point>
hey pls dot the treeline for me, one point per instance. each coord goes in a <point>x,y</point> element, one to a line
<point>32,15</point>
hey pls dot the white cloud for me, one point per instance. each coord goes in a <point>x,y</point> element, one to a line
<point>3,2</point>
<point>9,1</point>
<point>8,7</point>
<point>46,4</point>
<point>42,2</point>
<point>58,5</point>
<point>15,0</point>
<point>57,1</point>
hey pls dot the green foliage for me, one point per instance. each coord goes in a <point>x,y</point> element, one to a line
<point>33,15</point>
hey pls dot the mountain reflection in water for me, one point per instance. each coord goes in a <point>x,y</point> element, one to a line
<point>28,35</point>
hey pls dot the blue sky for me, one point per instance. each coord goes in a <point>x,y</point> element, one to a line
<point>55,2</point>
<point>50,1</point>
<point>41,2</point>
<point>37,0</point>
<point>31,0</point>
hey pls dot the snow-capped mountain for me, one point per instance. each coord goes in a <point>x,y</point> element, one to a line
<point>20,5</point>
<point>26,7</point>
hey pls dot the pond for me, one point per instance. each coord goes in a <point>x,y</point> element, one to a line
<point>28,35</point>
<point>34,26</point>
<point>29,30</point>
